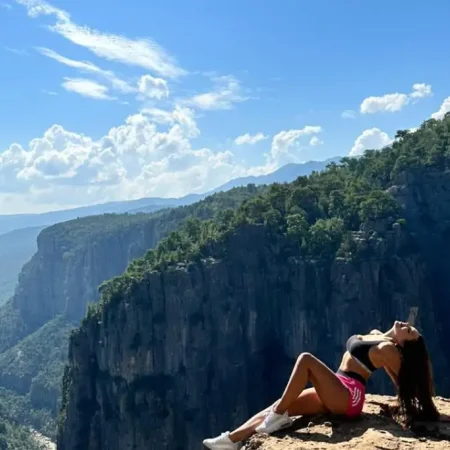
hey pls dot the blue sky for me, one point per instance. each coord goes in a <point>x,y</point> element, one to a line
<point>110,100</point>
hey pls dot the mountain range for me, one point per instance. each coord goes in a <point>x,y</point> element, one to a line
<point>18,232</point>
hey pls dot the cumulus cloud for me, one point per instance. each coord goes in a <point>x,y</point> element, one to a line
<point>386,103</point>
<point>133,160</point>
<point>315,141</point>
<point>87,88</point>
<point>287,145</point>
<point>144,53</point>
<point>151,87</point>
<point>248,139</point>
<point>421,90</point>
<point>86,66</point>
<point>395,102</point>
<point>443,110</point>
<point>372,139</point>
<point>226,93</point>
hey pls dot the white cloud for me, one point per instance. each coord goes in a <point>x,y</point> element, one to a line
<point>386,103</point>
<point>140,52</point>
<point>227,91</point>
<point>86,66</point>
<point>348,114</point>
<point>372,139</point>
<point>395,102</point>
<point>444,109</point>
<point>133,160</point>
<point>152,87</point>
<point>286,146</point>
<point>87,88</point>
<point>421,90</point>
<point>315,141</point>
<point>248,139</point>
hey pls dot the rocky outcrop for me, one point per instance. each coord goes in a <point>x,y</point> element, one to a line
<point>187,352</point>
<point>373,430</point>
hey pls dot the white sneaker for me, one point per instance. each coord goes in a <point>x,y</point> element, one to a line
<point>222,442</point>
<point>274,422</point>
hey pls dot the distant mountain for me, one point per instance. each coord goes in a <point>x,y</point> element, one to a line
<point>285,174</point>
<point>18,221</point>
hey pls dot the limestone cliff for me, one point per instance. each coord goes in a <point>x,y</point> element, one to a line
<point>73,259</point>
<point>187,352</point>
<point>373,430</point>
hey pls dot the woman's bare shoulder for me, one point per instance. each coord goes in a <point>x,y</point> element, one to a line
<point>386,354</point>
<point>388,349</point>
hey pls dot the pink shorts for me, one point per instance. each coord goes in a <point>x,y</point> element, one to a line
<point>357,395</point>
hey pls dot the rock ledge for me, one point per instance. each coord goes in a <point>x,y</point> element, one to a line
<point>373,430</point>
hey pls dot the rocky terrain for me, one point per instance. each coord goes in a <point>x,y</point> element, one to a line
<point>373,430</point>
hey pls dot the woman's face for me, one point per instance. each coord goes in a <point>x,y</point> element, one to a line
<point>403,332</point>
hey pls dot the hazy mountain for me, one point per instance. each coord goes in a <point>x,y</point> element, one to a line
<point>286,173</point>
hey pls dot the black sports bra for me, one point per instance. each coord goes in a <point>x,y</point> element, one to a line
<point>359,349</point>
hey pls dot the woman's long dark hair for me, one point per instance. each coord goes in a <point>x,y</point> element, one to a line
<point>415,384</point>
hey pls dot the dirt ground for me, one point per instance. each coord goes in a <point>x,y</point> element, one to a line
<point>373,430</point>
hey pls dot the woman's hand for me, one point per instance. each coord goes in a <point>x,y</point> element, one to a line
<point>375,332</point>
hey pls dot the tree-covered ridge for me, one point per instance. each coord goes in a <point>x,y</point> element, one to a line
<point>315,216</point>
<point>72,234</point>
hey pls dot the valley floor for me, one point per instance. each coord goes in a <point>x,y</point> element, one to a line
<point>374,430</point>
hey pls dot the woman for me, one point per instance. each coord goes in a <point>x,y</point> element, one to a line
<point>401,352</point>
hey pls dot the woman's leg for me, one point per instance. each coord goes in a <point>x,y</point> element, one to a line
<point>308,403</point>
<point>332,393</point>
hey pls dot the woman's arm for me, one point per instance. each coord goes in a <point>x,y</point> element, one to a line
<point>375,332</point>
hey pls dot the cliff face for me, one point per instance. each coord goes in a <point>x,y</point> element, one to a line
<point>61,279</point>
<point>194,350</point>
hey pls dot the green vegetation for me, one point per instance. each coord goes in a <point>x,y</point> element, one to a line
<point>33,368</point>
<point>72,235</point>
<point>14,436</point>
<point>314,217</point>
<point>17,409</point>
<point>35,365</point>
